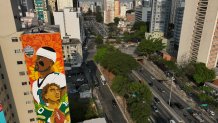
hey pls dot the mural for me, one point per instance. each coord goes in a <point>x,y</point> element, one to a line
<point>44,61</point>
<point>2,116</point>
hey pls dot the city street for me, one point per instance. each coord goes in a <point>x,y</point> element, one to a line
<point>164,93</point>
<point>112,113</point>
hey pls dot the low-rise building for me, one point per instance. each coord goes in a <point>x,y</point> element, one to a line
<point>130,17</point>
<point>158,35</point>
<point>30,20</point>
<point>72,50</point>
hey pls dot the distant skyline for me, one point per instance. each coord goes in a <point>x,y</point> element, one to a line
<point>103,0</point>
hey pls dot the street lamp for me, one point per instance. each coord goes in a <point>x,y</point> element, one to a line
<point>172,78</point>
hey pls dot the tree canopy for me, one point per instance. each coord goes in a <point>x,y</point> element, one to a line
<point>115,61</point>
<point>99,17</point>
<point>99,40</point>
<point>138,96</point>
<point>116,20</point>
<point>139,25</point>
<point>139,29</point>
<point>149,46</point>
<point>202,73</point>
<point>139,103</point>
<point>120,85</point>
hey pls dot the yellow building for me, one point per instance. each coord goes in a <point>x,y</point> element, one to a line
<point>117,8</point>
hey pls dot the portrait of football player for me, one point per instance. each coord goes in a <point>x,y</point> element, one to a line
<point>45,59</point>
<point>55,111</point>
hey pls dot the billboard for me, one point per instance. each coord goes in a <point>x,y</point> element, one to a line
<point>45,66</point>
<point>2,116</point>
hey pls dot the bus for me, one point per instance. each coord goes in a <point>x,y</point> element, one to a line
<point>103,80</point>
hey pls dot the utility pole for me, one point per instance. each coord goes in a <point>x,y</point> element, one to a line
<point>172,78</point>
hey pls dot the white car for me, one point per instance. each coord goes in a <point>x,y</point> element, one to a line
<point>212,113</point>
<point>172,121</point>
<point>152,77</point>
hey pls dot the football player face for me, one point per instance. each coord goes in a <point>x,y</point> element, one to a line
<point>53,93</point>
<point>43,64</point>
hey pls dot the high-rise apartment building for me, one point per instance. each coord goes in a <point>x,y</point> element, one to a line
<point>52,5</point>
<point>143,14</point>
<point>116,8</point>
<point>160,16</point>
<point>123,11</point>
<point>177,25</point>
<point>71,24</point>
<point>72,33</point>
<point>41,8</point>
<point>61,4</point>
<point>199,35</point>
<point>108,11</point>
<point>26,5</point>
<point>174,6</point>
<point>15,93</point>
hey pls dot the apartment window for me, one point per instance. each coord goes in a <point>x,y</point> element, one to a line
<point>10,106</point>
<point>32,119</point>
<point>17,51</point>
<point>5,86</point>
<point>19,62</point>
<point>26,93</point>
<point>22,73</point>
<point>14,39</point>
<point>28,102</point>
<point>2,75</point>
<point>24,83</point>
<point>7,96</point>
<point>30,111</point>
<point>12,114</point>
<point>0,66</point>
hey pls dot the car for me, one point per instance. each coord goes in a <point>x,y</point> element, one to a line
<point>172,121</point>
<point>212,113</point>
<point>152,78</point>
<point>73,91</point>
<point>114,103</point>
<point>156,100</point>
<point>150,83</point>
<point>161,89</point>
<point>79,79</point>
<point>178,105</point>
<point>154,107</point>
<point>185,114</point>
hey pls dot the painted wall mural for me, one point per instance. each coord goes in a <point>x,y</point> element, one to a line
<point>45,65</point>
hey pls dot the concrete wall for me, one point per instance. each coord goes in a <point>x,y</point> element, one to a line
<point>187,31</point>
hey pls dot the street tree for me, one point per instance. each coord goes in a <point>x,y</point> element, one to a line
<point>116,20</point>
<point>99,40</point>
<point>100,55</point>
<point>99,17</point>
<point>139,102</point>
<point>115,61</point>
<point>203,74</point>
<point>120,85</point>
<point>149,46</point>
<point>89,12</point>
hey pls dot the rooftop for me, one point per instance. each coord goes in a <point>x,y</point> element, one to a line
<point>42,29</point>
